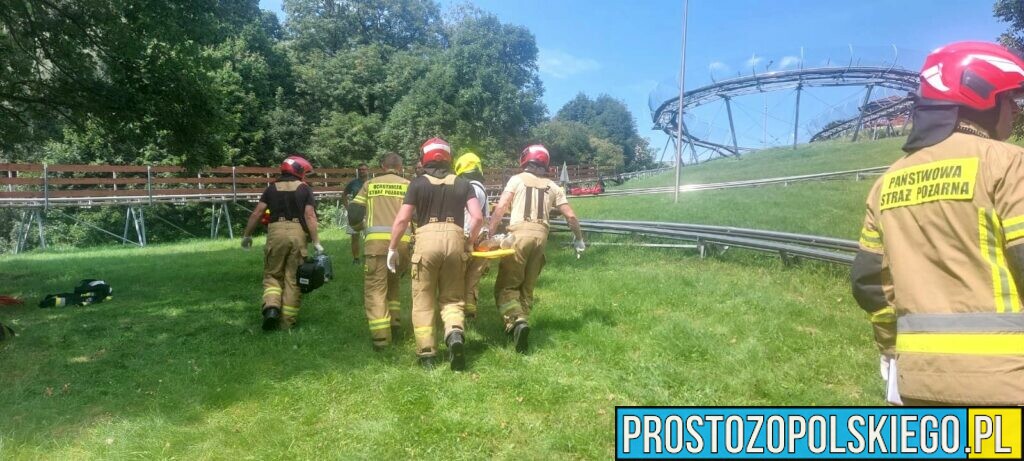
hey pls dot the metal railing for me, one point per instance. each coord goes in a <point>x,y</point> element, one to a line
<point>788,246</point>
<point>743,183</point>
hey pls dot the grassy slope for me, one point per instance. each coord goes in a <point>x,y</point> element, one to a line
<point>809,158</point>
<point>175,365</point>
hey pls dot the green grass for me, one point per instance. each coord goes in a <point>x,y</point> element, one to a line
<point>832,208</point>
<point>806,159</point>
<point>175,365</point>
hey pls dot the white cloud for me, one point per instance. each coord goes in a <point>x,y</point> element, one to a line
<point>718,66</point>
<point>560,64</point>
<point>789,61</point>
<point>754,61</point>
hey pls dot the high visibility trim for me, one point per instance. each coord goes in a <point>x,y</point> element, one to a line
<point>970,322</point>
<point>1013,228</point>
<point>991,242</point>
<point>960,343</point>
<point>271,291</point>
<point>450,315</point>
<point>504,308</point>
<point>421,332</point>
<point>359,200</point>
<point>290,311</point>
<point>379,321</point>
<point>380,327</point>
<point>1014,221</point>
<point>870,239</point>
<point>394,304</point>
<point>884,315</point>
<point>382,236</point>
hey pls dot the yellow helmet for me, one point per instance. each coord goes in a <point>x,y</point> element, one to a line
<point>468,162</point>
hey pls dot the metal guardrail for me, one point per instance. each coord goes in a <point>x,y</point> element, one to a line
<point>744,183</point>
<point>787,245</point>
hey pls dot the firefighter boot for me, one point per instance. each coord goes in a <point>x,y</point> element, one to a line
<point>456,350</point>
<point>271,318</point>
<point>521,336</point>
<point>427,363</point>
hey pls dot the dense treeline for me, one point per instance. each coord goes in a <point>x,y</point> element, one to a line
<point>210,82</point>
<point>202,83</point>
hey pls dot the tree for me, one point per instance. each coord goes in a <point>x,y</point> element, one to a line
<point>1012,12</point>
<point>482,90</point>
<point>606,153</point>
<point>332,26</point>
<point>609,119</point>
<point>345,138</point>
<point>567,141</point>
<point>142,77</point>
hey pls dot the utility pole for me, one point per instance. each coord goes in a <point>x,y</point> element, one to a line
<point>679,113</point>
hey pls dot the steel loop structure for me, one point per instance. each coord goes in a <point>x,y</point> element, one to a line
<point>665,109</point>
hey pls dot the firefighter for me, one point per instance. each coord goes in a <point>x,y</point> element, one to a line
<point>438,264</point>
<point>469,167</point>
<point>351,189</point>
<point>530,196</point>
<point>940,260</point>
<point>375,207</point>
<point>292,217</point>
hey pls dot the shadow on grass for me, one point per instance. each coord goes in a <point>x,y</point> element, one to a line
<point>172,344</point>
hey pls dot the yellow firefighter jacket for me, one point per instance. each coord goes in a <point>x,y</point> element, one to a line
<point>944,220</point>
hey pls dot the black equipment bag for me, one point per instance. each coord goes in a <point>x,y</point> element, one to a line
<point>313,273</point>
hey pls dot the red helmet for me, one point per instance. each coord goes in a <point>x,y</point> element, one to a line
<point>535,153</point>
<point>435,150</point>
<point>296,166</point>
<point>971,74</point>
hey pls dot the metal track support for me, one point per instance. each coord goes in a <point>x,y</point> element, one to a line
<point>25,229</point>
<point>860,117</point>
<point>693,150</point>
<point>133,218</point>
<point>220,211</point>
<point>796,116</point>
<point>732,126</point>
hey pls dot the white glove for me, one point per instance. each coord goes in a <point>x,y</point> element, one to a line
<point>392,260</point>
<point>883,367</point>
<point>579,245</point>
<point>246,242</point>
<point>319,248</point>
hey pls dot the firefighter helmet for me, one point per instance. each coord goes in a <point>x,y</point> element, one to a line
<point>468,162</point>
<point>971,74</point>
<point>435,150</point>
<point>296,166</point>
<point>535,153</point>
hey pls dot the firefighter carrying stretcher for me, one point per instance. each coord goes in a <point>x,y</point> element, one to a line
<point>438,200</point>
<point>530,195</point>
<point>373,211</point>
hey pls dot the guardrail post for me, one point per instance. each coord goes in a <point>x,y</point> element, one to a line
<point>10,175</point>
<point>149,183</point>
<point>234,185</point>
<point>115,177</point>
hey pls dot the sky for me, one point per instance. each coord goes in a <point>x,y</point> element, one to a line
<point>627,48</point>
